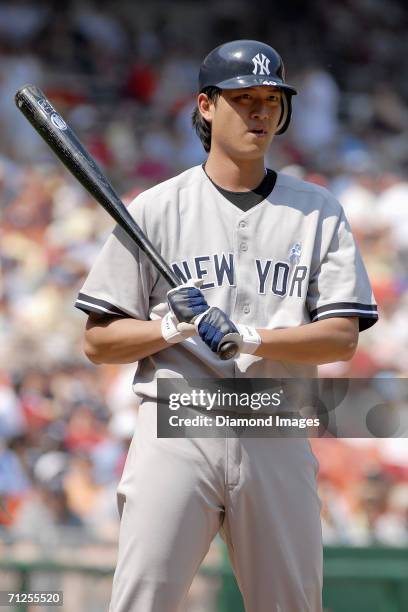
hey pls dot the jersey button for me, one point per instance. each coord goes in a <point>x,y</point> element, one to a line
<point>246,308</point>
<point>244,246</point>
<point>242,224</point>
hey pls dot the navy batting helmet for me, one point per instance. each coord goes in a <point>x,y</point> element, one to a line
<point>247,63</point>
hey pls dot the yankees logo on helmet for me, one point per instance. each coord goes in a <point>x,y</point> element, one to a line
<point>247,63</point>
<point>261,62</point>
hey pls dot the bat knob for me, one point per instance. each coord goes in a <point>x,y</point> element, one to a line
<point>228,350</point>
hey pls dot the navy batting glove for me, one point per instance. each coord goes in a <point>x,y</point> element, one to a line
<point>215,327</point>
<point>187,302</point>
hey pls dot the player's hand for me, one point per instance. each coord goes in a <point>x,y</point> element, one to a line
<point>216,328</point>
<point>187,301</point>
<point>173,331</point>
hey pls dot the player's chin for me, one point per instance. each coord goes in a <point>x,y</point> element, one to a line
<point>247,148</point>
<point>257,143</point>
<point>254,149</point>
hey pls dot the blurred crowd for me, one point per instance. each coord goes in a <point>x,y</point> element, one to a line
<point>124,76</point>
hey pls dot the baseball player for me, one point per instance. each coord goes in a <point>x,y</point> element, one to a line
<point>265,259</point>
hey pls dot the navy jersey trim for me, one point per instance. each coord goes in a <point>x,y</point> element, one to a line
<point>367,313</point>
<point>88,304</point>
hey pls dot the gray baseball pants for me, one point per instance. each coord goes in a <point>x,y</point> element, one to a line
<point>176,494</point>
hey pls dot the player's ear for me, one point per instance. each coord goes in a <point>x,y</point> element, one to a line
<point>205,106</point>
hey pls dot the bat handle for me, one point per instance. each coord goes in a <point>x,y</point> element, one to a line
<point>228,350</point>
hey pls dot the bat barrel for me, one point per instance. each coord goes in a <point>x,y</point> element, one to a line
<point>61,139</point>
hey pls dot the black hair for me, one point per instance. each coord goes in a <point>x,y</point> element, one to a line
<point>201,126</point>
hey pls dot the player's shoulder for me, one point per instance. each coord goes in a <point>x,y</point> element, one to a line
<point>308,193</point>
<point>172,186</point>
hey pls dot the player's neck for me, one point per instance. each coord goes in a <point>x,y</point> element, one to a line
<point>235,175</point>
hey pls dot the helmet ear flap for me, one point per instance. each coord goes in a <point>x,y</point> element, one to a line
<point>286,111</point>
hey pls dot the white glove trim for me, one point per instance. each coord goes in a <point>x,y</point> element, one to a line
<point>250,338</point>
<point>173,331</point>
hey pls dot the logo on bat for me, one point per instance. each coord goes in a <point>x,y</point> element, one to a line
<point>58,121</point>
<point>49,110</point>
<point>45,106</point>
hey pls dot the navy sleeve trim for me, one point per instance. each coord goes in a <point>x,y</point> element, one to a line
<point>88,304</point>
<point>367,313</point>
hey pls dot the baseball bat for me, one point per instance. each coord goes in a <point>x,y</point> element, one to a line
<point>49,124</point>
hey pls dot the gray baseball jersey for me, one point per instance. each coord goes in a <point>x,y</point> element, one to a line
<point>287,261</point>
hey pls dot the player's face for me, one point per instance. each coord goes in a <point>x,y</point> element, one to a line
<point>244,121</point>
